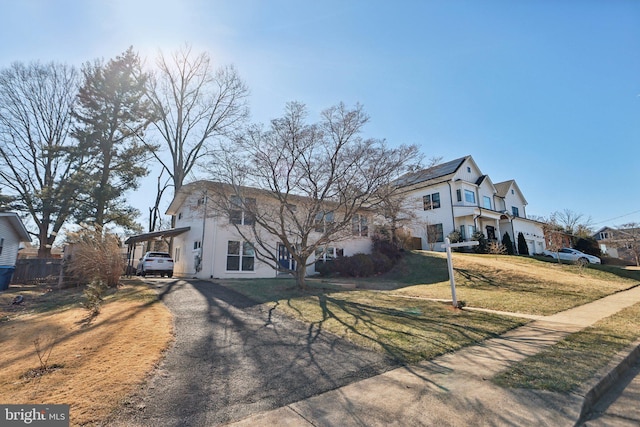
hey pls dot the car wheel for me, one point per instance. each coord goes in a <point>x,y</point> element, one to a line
<point>161,274</point>
<point>143,273</point>
<point>170,274</point>
<point>583,261</point>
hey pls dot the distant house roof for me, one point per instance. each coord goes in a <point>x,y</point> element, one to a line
<point>17,225</point>
<point>431,173</point>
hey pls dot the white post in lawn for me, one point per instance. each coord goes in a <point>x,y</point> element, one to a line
<point>448,245</point>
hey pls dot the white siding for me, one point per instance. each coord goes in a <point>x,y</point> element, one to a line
<point>10,245</point>
<point>441,215</point>
<point>217,233</point>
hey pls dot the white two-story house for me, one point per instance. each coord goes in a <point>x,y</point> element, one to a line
<point>208,244</point>
<point>456,195</point>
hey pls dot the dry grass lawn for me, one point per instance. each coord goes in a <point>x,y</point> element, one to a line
<point>99,362</point>
<point>519,284</point>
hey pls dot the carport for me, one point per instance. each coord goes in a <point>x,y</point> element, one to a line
<point>145,237</point>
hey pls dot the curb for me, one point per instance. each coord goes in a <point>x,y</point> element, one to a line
<point>611,374</point>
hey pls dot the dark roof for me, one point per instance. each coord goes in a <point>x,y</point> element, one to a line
<point>434,172</point>
<point>152,235</point>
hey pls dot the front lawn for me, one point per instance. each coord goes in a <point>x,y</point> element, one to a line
<point>566,365</point>
<point>53,354</point>
<point>379,315</point>
<point>514,284</point>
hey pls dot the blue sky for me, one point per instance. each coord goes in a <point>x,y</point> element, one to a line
<point>546,92</point>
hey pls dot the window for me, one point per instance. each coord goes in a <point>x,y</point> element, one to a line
<point>486,202</point>
<point>515,211</point>
<point>459,195</point>
<point>470,196</point>
<point>468,169</point>
<point>472,229</point>
<point>201,201</point>
<point>241,211</point>
<point>512,192</point>
<point>359,225</point>
<point>435,233</point>
<point>604,235</point>
<point>328,254</point>
<point>431,201</point>
<point>462,234</point>
<point>1,245</point>
<point>323,220</point>
<point>176,254</point>
<point>240,256</point>
<point>179,215</point>
<point>197,244</point>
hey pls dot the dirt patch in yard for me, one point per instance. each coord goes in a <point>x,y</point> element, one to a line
<point>94,365</point>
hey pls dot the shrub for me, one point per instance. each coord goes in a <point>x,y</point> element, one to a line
<point>588,245</point>
<point>358,265</point>
<point>93,296</point>
<point>455,236</point>
<point>95,256</point>
<point>523,248</point>
<point>507,243</point>
<point>479,237</point>
<point>381,262</point>
<point>384,246</point>
<point>496,248</point>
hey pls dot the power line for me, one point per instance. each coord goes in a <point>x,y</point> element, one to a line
<point>618,217</point>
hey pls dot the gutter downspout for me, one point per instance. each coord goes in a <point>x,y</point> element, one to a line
<point>453,216</point>
<point>213,247</point>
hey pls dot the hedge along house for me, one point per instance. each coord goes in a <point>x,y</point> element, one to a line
<point>214,248</point>
<point>12,233</point>
<point>456,195</point>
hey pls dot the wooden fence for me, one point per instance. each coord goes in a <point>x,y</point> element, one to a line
<point>37,271</point>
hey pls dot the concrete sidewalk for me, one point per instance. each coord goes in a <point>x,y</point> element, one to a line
<point>454,389</point>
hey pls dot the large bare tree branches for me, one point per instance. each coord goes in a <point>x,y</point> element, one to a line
<point>38,162</point>
<point>195,104</point>
<point>315,179</point>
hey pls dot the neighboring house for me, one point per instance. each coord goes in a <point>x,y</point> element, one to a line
<point>619,243</point>
<point>211,247</point>
<point>557,239</point>
<point>12,233</point>
<point>456,195</point>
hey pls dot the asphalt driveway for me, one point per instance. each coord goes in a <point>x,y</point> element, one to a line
<point>232,358</point>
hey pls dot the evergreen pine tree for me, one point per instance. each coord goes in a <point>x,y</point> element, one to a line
<point>507,243</point>
<point>523,248</point>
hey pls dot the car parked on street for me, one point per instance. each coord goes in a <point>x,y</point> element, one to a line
<point>573,255</point>
<point>155,263</point>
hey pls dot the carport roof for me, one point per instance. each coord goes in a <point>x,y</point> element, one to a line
<point>154,234</point>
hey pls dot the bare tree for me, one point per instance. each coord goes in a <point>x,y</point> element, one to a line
<point>39,163</point>
<point>319,183</point>
<point>572,222</point>
<point>629,235</point>
<point>195,104</point>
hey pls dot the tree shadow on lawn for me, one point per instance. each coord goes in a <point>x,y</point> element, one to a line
<point>233,357</point>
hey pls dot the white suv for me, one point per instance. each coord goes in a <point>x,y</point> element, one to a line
<point>155,263</point>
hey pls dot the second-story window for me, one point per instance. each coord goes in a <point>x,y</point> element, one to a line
<point>359,225</point>
<point>323,221</point>
<point>515,211</point>
<point>241,212</point>
<point>469,196</point>
<point>431,201</point>
<point>486,202</point>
